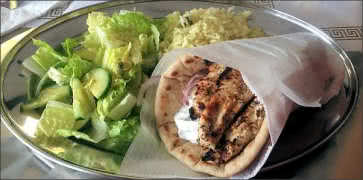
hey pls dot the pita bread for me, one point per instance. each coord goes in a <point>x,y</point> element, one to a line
<point>169,101</point>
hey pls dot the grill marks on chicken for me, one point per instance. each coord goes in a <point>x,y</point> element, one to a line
<point>223,93</point>
<point>243,130</point>
<point>228,113</point>
<point>236,137</point>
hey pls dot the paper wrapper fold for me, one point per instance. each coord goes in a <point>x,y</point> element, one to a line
<point>283,71</point>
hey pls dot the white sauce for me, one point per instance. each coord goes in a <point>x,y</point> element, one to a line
<point>187,128</point>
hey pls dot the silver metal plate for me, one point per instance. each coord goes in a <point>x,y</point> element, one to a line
<point>306,129</point>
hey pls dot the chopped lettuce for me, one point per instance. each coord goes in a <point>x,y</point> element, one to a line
<point>76,67</point>
<point>79,135</point>
<point>83,102</point>
<point>56,116</point>
<point>58,77</point>
<point>46,56</point>
<point>132,22</point>
<point>33,66</point>
<point>94,55</point>
<point>166,28</point>
<point>69,45</point>
<point>113,97</point>
<point>114,136</point>
<point>156,36</point>
<point>99,129</point>
<point>115,31</point>
<point>122,40</point>
<point>121,134</point>
<point>123,128</point>
<point>115,59</point>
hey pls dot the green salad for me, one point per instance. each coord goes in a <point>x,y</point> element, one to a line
<point>86,89</point>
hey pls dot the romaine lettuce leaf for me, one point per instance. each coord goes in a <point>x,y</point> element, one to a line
<point>69,45</point>
<point>121,135</point>
<point>46,56</point>
<point>115,59</point>
<point>167,24</point>
<point>134,79</point>
<point>57,76</point>
<point>156,36</point>
<point>124,40</point>
<point>124,128</point>
<point>79,135</point>
<point>76,67</point>
<point>113,97</point>
<point>101,32</point>
<point>115,31</point>
<point>99,129</point>
<point>56,116</point>
<point>94,55</point>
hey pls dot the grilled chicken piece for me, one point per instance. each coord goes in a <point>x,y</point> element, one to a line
<point>205,88</point>
<point>217,99</point>
<point>243,130</point>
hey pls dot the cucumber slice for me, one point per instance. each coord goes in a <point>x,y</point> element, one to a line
<point>124,107</point>
<point>80,123</point>
<point>83,102</point>
<point>31,85</point>
<point>54,93</point>
<point>98,81</point>
<point>44,82</point>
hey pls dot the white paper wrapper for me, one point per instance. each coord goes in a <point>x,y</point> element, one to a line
<point>283,71</point>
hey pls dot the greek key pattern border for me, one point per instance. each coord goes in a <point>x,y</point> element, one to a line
<point>53,13</point>
<point>345,33</point>
<point>266,3</point>
<point>56,12</point>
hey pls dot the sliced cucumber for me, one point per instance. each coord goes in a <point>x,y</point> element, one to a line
<point>83,102</point>
<point>44,82</point>
<point>53,93</point>
<point>80,123</point>
<point>123,108</point>
<point>31,84</point>
<point>98,81</point>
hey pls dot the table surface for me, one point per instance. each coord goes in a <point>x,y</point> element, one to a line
<point>339,158</point>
